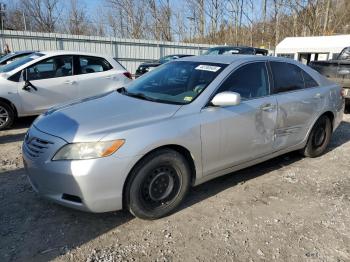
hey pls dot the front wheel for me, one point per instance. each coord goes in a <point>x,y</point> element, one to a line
<point>7,115</point>
<point>158,184</point>
<point>319,137</point>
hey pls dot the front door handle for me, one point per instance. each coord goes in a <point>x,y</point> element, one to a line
<point>70,82</point>
<point>268,107</point>
<point>109,77</point>
<point>318,95</point>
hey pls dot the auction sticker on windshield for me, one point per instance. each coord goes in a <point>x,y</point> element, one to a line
<point>188,98</point>
<point>208,68</point>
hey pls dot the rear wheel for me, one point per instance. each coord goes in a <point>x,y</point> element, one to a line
<point>7,115</point>
<point>158,184</point>
<point>319,137</point>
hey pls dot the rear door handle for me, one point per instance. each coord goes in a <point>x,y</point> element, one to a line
<point>318,95</point>
<point>70,82</point>
<point>344,72</point>
<point>268,107</point>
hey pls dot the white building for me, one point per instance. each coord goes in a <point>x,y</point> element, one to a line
<point>306,49</point>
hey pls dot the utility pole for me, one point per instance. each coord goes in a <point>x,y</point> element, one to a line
<point>2,14</point>
<point>2,19</point>
<point>24,21</point>
<point>192,21</point>
<point>264,23</point>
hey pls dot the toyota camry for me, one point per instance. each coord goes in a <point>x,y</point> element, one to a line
<point>142,146</point>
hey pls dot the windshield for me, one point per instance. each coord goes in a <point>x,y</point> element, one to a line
<point>4,58</point>
<point>228,51</point>
<point>178,82</point>
<point>168,58</point>
<point>19,62</point>
<point>213,51</point>
<point>222,50</point>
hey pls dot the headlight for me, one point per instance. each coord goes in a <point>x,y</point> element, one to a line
<point>79,151</point>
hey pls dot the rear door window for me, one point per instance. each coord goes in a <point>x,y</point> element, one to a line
<point>286,77</point>
<point>250,81</point>
<point>91,64</point>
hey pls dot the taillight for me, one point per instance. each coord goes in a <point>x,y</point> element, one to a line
<point>128,75</point>
<point>342,92</point>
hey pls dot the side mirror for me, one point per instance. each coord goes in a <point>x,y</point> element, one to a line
<point>28,85</point>
<point>226,99</point>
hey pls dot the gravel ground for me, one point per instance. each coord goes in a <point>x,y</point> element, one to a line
<point>286,209</point>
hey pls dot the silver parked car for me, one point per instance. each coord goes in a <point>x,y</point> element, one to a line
<point>191,120</point>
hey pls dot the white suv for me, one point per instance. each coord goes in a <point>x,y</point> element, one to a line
<point>31,85</point>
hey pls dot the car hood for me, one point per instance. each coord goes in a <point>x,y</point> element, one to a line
<point>93,118</point>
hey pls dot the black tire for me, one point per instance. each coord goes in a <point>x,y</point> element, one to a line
<point>319,137</point>
<point>158,184</point>
<point>7,115</point>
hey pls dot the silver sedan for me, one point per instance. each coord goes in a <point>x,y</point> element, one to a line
<point>143,146</point>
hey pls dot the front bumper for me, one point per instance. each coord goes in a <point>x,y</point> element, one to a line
<point>94,185</point>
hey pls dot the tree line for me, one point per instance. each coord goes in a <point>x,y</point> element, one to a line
<point>239,22</point>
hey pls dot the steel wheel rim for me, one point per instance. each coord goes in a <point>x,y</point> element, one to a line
<point>4,116</point>
<point>320,137</point>
<point>320,134</point>
<point>160,187</point>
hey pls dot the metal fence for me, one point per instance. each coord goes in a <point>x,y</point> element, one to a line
<point>130,52</point>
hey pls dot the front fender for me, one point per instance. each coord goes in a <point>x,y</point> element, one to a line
<point>181,131</point>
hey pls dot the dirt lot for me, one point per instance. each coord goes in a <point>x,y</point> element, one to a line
<point>286,209</point>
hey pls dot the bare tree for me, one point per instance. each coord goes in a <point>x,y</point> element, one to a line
<point>180,29</point>
<point>197,14</point>
<point>277,4</point>
<point>161,19</point>
<point>238,22</point>
<point>264,9</point>
<point>44,14</point>
<point>133,13</point>
<point>77,19</point>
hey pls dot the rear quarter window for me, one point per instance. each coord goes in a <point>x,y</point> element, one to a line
<point>309,81</point>
<point>91,64</point>
<point>286,77</point>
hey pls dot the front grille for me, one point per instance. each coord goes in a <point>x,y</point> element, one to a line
<point>34,146</point>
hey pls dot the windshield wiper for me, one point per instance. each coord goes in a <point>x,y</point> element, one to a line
<point>122,90</point>
<point>141,96</point>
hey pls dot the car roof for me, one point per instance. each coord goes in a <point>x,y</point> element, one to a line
<point>63,52</point>
<point>180,55</point>
<point>232,46</point>
<point>229,59</point>
<point>23,52</point>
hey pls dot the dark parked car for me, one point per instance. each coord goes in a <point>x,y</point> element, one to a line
<point>148,66</point>
<point>337,70</point>
<point>14,56</point>
<point>236,50</point>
